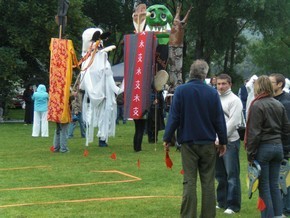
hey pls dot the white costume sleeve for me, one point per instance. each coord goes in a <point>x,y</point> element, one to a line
<point>250,90</point>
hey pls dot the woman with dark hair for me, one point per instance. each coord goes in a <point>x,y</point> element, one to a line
<point>212,82</point>
<point>266,124</point>
<point>27,96</point>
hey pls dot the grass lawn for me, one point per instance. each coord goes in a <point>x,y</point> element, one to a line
<point>35,182</point>
<point>14,114</point>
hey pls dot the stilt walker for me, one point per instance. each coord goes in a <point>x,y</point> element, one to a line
<point>61,65</point>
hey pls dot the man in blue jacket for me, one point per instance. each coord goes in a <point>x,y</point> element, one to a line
<point>197,112</point>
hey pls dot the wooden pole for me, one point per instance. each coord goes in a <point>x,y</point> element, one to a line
<point>60,30</point>
<point>138,26</point>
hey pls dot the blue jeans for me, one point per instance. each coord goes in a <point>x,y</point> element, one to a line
<point>73,125</point>
<point>120,114</point>
<point>269,157</point>
<point>228,177</point>
<point>286,202</point>
<point>60,137</point>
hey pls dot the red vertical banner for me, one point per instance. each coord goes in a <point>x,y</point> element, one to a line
<point>136,107</point>
<point>139,61</point>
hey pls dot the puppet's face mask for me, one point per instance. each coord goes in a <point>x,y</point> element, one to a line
<point>160,19</point>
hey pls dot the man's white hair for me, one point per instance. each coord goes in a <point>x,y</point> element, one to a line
<point>198,70</point>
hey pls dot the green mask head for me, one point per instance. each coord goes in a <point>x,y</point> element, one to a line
<point>160,20</point>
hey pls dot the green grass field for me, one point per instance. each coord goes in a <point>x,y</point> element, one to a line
<point>35,182</point>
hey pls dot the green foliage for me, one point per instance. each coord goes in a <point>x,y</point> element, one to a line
<point>215,28</point>
<point>214,31</point>
<point>10,61</point>
<point>26,28</point>
<point>77,22</point>
<point>104,16</point>
<point>272,57</point>
<point>116,19</point>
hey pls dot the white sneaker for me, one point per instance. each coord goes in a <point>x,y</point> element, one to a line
<point>229,211</point>
<point>217,207</point>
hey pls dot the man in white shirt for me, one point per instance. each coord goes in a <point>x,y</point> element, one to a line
<point>228,166</point>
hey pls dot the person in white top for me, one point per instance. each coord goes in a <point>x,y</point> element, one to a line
<point>228,165</point>
<point>250,90</point>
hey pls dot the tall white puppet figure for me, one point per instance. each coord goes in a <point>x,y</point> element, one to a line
<point>99,102</point>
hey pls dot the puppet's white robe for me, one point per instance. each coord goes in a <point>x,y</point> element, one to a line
<point>101,109</point>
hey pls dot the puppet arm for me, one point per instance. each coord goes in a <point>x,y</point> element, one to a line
<point>109,48</point>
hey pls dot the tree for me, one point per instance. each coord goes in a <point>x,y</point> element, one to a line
<point>26,27</point>
<point>214,32</point>
<point>116,19</point>
<point>271,53</point>
<point>271,57</point>
<point>215,29</point>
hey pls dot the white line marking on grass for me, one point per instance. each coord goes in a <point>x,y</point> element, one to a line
<point>133,179</point>
<point>23,168</point>
<point>80,184</point>
<point>87,200</point>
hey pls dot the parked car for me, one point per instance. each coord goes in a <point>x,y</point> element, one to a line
<point>17,98</point>
<point>17,101</point>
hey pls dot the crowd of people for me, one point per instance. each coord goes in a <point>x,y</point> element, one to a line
<point>267,124</point>
<point>265,104</point>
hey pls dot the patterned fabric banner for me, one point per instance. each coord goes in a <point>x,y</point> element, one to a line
<point>61,64</point>
<point>139,68</point>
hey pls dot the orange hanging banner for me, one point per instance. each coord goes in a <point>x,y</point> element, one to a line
<point>60,78</point>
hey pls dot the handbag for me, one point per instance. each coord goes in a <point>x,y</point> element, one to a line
<point>242,127</point>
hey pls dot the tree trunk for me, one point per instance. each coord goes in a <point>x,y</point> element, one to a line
<point>232,57</point>
<point>226,61</point>
<point>199,46</point>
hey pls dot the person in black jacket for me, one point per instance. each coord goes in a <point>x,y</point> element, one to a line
<point>155,118</point>
<point>29,109</point>
<point>243,95</point>
<point>278,83</point>
<point>267,124</point>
